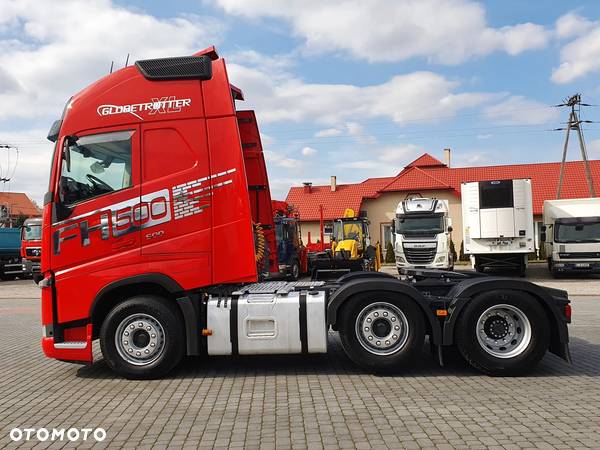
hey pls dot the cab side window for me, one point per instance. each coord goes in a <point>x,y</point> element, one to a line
<point>95,165</point>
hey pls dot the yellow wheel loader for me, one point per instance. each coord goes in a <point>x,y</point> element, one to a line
<point>351,249</point>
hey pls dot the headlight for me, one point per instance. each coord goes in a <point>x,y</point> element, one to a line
<point>399,259</point>
<point>440,259</point>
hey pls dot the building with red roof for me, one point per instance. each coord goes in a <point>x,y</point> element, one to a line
<point>16,205</point>
<point>377,198</point>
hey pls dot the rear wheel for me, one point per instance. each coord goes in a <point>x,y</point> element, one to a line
<point>142,338</point>
<point>503,332</point>
<point>295,271</point>
<point>381,331</point>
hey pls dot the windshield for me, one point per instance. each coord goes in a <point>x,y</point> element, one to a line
<point>577,232</point>
<point>32,232</point>
<point>95,165</point>
<point>347,230</point>
<point>426,225</point>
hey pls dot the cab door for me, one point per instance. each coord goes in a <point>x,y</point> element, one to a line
<point>96,216</point>
<point>175,165</point>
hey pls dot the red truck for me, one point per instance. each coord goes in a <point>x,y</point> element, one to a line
<point>150,244</point>
<point>31,245</point>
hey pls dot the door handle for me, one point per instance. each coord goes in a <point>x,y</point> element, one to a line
<point>125,243</point>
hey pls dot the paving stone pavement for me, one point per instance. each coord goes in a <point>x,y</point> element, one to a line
<point>299,402</point>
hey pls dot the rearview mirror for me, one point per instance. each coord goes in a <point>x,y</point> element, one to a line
<point>450,229</point>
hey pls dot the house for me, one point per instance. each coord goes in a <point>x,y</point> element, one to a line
<point>15,205</point>
<point>377,198</point>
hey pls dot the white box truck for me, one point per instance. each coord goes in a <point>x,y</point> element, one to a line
<point>422,230</point>
<point>498,224</point>
<point>571,235</point>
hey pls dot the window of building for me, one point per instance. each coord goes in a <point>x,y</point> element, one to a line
<point>386,235</point>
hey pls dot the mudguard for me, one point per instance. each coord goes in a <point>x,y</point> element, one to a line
<point>553,300</point>
<point>184,302</point>
<point>361,282</point>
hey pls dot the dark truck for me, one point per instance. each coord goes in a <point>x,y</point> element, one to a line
<point>10,253</point>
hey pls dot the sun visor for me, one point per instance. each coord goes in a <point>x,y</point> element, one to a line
<point>177,68</point>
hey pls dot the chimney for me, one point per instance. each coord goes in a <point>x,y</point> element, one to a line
<point>333,183</point>
<point>447,157</point>
<point>307,186</point>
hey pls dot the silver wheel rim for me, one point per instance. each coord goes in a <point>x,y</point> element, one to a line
<point>382,328</point>
<point>140,339</point>
<point>503,331</point>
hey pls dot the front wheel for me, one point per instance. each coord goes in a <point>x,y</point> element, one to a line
<point>142,337</point>
<point>381,331</point>
<point>503,332</point>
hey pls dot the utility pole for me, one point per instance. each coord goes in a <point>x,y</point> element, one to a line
<point>574,123</point>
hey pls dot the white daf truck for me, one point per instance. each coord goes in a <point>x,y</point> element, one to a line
<point>571,235</point>
<point>422,230</point>
<point>498,224</point>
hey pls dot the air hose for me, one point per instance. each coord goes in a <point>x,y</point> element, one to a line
<point>259,242</point>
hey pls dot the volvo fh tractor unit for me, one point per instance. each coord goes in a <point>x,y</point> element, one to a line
<point>498,224</point>
<point>157,228</point>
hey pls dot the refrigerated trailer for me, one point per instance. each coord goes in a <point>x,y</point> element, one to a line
<point>150,245</point>
<point>498,224</point>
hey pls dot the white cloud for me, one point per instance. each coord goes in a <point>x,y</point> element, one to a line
<point>308,151</point>
<point>385,161</point>
<point>475,158</point>
<point>282,160</point>
<point>280,96</point>
<point>571,25</point>
<point>63,46</point>
<point>32,171</point>
<point>328,132</point>
<point>517,110</point>
<point>443,31</point>
<point>51,50</point>
<point>581,56</point>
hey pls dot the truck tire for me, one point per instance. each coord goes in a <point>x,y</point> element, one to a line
<point>381,331</point>
<point>295,271</point>
<point>503,332</point>
<point>142,337</point>
<point>522,269</point>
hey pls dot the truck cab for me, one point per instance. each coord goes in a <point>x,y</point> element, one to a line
<point>571,235</point>
<point>291,253</point>
<point>31,245</point>
<point>422,234</point>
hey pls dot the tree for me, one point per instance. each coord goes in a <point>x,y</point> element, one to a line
<point>389,253</point>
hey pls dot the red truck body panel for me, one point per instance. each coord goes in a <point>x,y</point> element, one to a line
<point>187,215</point>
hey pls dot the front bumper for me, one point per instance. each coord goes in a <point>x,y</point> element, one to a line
<point>581,267</point>
<point>31,266</point>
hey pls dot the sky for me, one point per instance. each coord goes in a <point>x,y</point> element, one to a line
<point>352,88</point>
